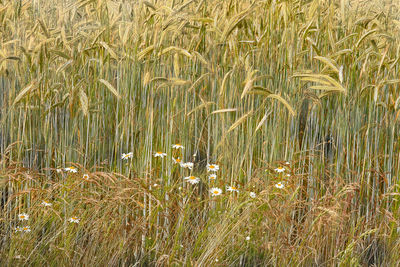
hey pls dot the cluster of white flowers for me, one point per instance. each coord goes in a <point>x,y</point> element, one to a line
<point>192,179</point>
<point>73,220</point>
<point>127,156</point>
<point>71,169</point>
<point>24,229</point>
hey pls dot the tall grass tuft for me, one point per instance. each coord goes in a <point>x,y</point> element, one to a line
<point>308,86</point>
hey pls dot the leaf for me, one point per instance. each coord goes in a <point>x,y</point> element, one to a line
<point>110,88</point>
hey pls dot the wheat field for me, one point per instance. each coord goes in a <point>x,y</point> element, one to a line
<point>199,133</point>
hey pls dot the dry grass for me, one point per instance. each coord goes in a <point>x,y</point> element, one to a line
<point>245,84</point>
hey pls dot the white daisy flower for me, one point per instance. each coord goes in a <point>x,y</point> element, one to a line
<point>155,185</point>
<point>177,161</point>
<point>287,163</point>
<point>247,238</point>
<point>288,175</point>
<point>212,176</point>
<point>73,220</point>
<point>252,194</point>
<point>18,229</point>
<point>215,191</point>
<point>192,179</point>
<point>212,167</point>
<point>232,189</point>
<point>188,165</point>
<point>160,154</point>
<point>280,169</point>
<point>178,146</point>
<point>23,217</point>
<point>58,170</point>
<point>71,169</point>
<point>86,177</point>
<point>46,203</point>
<point>26,229</point>
<point>280,185</point>
<point>126,156</point>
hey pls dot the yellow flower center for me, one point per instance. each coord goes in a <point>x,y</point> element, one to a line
<point>212,167</point>
<point>234,188</point>
<point>178,160</point>
<point>216,192</point>
<point>22,216</point>
<point>25,228</point>
<point>72,168</point>
<point>192,178</point>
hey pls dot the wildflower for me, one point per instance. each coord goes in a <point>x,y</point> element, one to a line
<point>73,220</point>
<point>18,229</point>
<point>247,238</point>
<point>46,203</point>
<point>26,229</point>
<point>177,161</point>
<point>71,169</point>
<point>160,154</point>
<point>280,169</point>
<point>212,176</point>
<point>215,191</point>
<point>23,217</point>
<point>212,167</point>
<point>155,185</point>
<point>59,170</point>
<point>287,163</point>
<point>216,260</point>
<point>288,175</point>
<point>127,155</point>
<point>192,179</point>
<point>178,146</point>
<point>232,189</point>
<point>252,194</point>
<point>188,165</point>
<point>280,185</point>
<point>86,177</point>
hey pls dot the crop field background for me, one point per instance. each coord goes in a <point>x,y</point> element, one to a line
<point>296,103</point>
